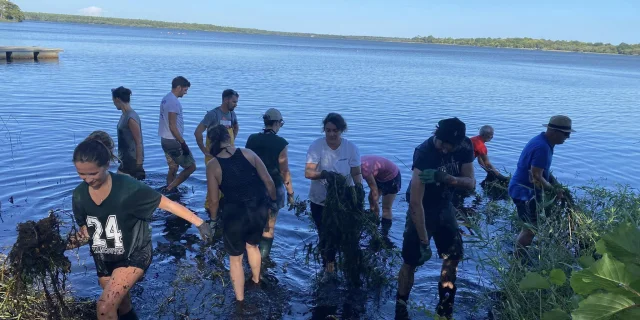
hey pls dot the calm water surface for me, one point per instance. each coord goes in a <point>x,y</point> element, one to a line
<point>391,95</point>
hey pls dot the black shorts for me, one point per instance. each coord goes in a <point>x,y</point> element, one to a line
<point>392,186</point>
<point>243,223</point>
<point>128,166</point>
<point>442,226</point>
<point>527,210</point>
<point>140,258</point>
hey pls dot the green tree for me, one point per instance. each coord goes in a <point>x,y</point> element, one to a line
<point>10,11</point>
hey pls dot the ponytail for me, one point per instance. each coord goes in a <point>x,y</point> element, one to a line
<point>97,148</point>
<point>216,136</point>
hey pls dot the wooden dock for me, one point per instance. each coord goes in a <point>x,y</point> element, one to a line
<point>28,53</point>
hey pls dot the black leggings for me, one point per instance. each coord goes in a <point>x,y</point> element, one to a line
<point>327,246</point>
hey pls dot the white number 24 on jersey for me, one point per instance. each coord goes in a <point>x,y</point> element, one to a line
<point>112,232</point>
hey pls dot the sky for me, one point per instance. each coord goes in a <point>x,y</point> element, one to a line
<point>612,21</point>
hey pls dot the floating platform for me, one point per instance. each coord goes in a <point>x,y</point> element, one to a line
<point>28,53</point>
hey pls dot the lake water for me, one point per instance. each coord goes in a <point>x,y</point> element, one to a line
<point>391,94</point>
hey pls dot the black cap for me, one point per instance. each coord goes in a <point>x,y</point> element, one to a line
<point>451,131</point>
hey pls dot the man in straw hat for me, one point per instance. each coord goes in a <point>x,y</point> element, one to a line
<point>441,164</point>
<point>532,175</point>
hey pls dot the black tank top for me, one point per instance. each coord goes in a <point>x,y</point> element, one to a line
<point>240,179</point>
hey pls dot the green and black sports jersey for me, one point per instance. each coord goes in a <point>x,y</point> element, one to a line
<point>120,225</point>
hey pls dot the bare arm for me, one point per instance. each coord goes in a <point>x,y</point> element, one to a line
<point>374,195</point>
<point>78,239</point>
<point>173,127</point>
<point>262,172</point>
<point>538,178</point>
<point>466,180</point>
<point>180,211</point>
<point>415,206</point>
<point>356,174</point>
<point>283,160</point>
<point>137,138</point>
<point>310,171</point>
<point>199,140</point>
<point>213,187</point>
<point>484,162</point>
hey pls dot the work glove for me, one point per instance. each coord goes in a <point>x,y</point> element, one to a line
<point>185,148</point>
<point>431,176</point>
<point>206,233</point>
<point>330,176</point>
<point>425,253</point>
<point>291,201</point>
<point>139,174</point>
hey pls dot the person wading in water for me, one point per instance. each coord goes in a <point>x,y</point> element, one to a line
<point>272,150</point>
<point>441,163</point>
<point>327,157</point>
<point>383,178</point>
<point>113,212</point>
<point>130,147</point>
<point>249,195</point>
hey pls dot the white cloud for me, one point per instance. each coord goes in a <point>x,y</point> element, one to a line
<point>91,11</point>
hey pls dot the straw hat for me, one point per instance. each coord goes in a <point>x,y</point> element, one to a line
<point>560,123</point>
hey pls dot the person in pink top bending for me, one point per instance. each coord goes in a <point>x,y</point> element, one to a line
<point>383,177</point>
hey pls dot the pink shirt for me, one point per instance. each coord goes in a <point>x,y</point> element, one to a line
<point>381,168</point>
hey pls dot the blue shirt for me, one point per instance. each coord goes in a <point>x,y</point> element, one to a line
<point>537,153</point>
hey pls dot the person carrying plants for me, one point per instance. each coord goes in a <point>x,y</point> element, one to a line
<point>532,176</point>
<point>113,212</point>
<point>480,151</point>
<point>441,164</point>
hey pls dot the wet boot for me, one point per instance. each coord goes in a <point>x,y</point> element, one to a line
<point>447,297</point>
<point>386,226</point>
<point>131,315</point>
<point>402,312</point>
<point>265,250</point>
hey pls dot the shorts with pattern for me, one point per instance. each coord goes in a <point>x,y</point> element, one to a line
<point>173,152</point>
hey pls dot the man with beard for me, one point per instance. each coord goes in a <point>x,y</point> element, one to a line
<point>222,115</point>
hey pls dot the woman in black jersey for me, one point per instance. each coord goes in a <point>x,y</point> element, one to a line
<point>249,194</point>
<point>113,212</point>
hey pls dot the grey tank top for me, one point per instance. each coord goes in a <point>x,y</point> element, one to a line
<point>126,144</point>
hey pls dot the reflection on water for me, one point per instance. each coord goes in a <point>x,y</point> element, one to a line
<point>391,95</point>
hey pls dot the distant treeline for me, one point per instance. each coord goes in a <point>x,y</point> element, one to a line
<point>521,43</point>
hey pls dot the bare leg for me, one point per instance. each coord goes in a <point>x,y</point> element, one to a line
<point>405,279</point>
<point>237,276</point>
<point>255,261</point>
<point>269,230</point>
<point>387,203</point>
<point>116,291</point>
<point>125,305</point>
<point>447,288</point>
<point>171,175</point>
<point>184,175</point>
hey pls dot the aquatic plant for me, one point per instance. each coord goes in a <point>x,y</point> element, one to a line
<point>591,238</point>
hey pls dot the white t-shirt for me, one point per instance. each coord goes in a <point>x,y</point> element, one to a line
<point>340,160</point>
<point>170,103</point>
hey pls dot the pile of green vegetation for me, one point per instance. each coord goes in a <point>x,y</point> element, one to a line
<point>584,263</point>
<point>33,276</point>
<point>10,11</point>
<point>353,231</point>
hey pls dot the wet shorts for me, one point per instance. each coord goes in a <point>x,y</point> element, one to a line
<point>140,258</point>
<point>127,166</point>
<point>243,223</point>
<point>442,226</point>
<point>392,186</point>
<point>281,195</point>
<point>173,152</point>
<point>527,210</point>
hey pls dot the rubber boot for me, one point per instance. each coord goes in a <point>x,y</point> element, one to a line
<point>131,315</point>
<point>265,248</point>
<point>447,297</point>
<point>402,312</point>
<point>386,226</point>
